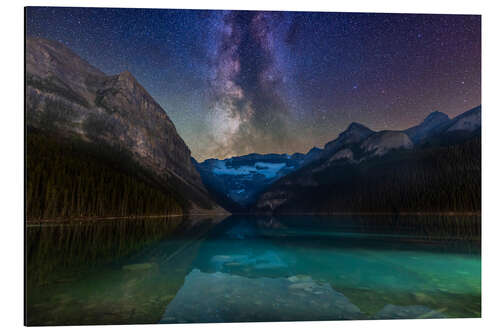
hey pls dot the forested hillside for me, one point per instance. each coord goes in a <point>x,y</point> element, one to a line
<point>433,178</point>
<point>68,178</point>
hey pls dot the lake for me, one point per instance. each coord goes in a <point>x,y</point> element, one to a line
<point>253,268</point>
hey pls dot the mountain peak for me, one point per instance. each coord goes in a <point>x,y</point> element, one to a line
<point>127,77</point>
<point>354,125</point>
<point>355,132</point>
<point>431,124</point>
<point>126,74</point>
<point>436,115</point>
<point>314,150</point>
<point>356,128</point>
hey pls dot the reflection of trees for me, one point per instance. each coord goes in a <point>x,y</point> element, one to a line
<point>123,271</point>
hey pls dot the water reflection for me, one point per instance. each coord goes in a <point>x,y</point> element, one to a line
<point>108,272</point>
<point>254,268</point>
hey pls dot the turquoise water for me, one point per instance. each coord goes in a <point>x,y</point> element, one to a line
<point>254,268</point>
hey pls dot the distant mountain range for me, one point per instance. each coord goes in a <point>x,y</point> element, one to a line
<point>113,118</point>
<point>349,166</point>
<point>236,181</point>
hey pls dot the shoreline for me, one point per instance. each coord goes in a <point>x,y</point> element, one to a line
<point>96,218</point>
<point>373,213</point>
<point>104,218</point>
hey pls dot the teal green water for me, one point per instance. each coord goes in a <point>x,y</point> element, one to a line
<point>253,268</point>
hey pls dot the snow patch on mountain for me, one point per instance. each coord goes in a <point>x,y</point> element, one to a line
<point>268,170</point>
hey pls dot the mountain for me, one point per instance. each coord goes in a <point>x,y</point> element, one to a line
<point>312,155</point>
<point>457,130</point>
<point>388,171</point>
<point>107,118</point>
<point>354,133</point>
<point>236,181</point>
<point>469,121</point>
<point>431,124</point>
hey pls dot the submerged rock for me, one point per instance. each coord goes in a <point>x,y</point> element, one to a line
<point>203,298</point>
<point>266,260</point>
<point>299,278</point>
<point>302,285</point>
<point>423,298</point>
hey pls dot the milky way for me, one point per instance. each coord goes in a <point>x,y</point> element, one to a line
<point>248,112</point>
<point>237,82</point>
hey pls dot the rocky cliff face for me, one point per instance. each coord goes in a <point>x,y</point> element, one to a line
<point>68,96</point>
<point>382,142</point>
<point>353,134</point>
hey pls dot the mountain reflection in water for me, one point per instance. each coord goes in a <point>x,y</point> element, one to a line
<point>253,268</point>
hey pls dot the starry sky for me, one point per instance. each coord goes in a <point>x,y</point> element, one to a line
<point>238,82</point>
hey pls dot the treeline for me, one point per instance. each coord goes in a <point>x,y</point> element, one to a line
<point>67,178</point>
<point>433,179</point>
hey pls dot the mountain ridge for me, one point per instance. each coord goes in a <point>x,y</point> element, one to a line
<point>389,174</point>
<point>359,144</point>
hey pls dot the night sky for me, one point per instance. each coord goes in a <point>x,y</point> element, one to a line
<point>237,82</point>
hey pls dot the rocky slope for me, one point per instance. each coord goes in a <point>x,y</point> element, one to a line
<point>382,142</point>
<point>67,97</point>
<point>354,133</point>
